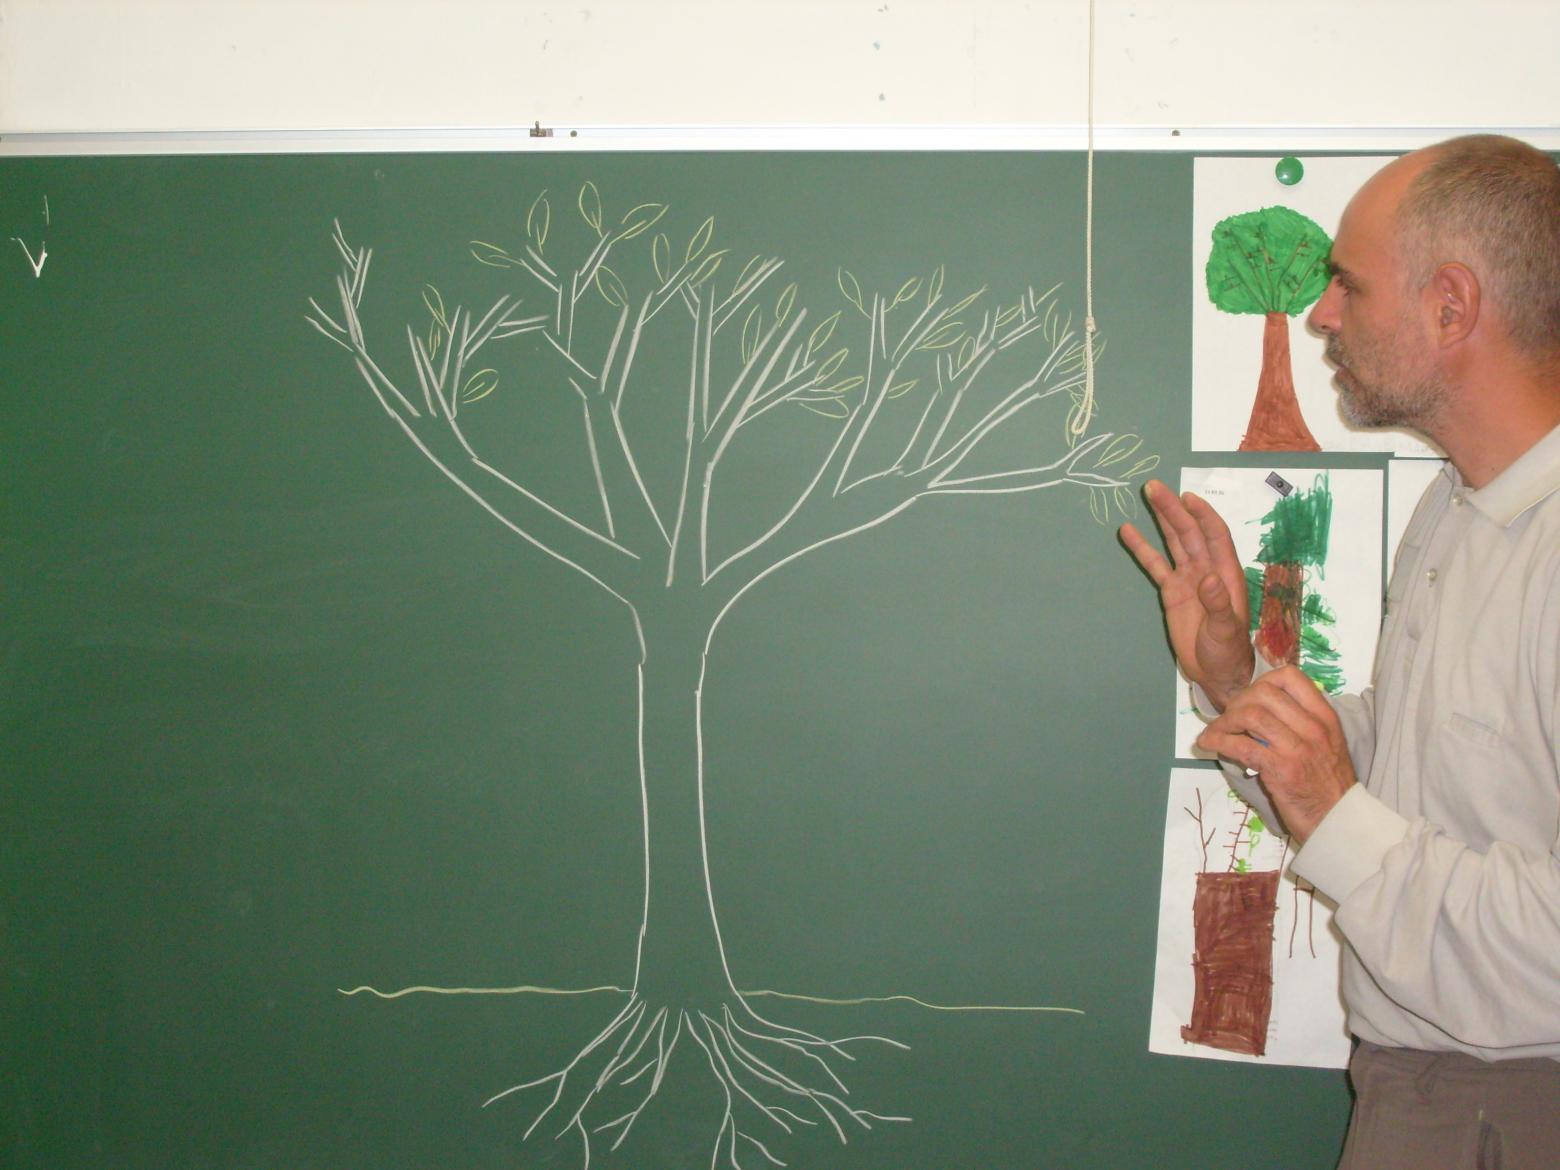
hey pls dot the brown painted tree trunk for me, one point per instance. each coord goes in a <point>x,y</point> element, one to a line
<point>1276,423</point>
<point>1278,622</point>
<point>1232,918</point>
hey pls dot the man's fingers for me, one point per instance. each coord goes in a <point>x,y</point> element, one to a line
<point>1216,599</point>
<point>1226,622</point>
<point>1246,732</point>
<point>1280,727</point>
<point>1184,534</point>
<point>1297,686</point>
<point>1175,525</point>
<point>1242,749</point>
<point>1145,554</point>
<point>1243,719</point>
<point>1219,546</point>
<point>1268,710</point>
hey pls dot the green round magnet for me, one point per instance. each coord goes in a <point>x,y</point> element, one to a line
<point>1289,170</point>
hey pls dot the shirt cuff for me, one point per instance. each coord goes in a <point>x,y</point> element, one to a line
<point>1202,705</point>
<point>1348,846</point>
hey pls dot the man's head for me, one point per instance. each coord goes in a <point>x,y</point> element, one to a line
<point>1433,243</point>
<point>1493,204</point>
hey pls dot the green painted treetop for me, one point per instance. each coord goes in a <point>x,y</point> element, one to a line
<point>1268,261</point>
<point>1296,530</point>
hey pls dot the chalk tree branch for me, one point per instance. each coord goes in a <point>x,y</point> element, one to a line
<point>435,430</point>
<point>834,504</point>
<point>932,343</point>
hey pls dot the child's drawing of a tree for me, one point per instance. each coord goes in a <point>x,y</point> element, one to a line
<point>1232,921</point>
<point>1289,617</point>
<point>902,415</point>
<point>1234,907</point>
<point>1271,262</point>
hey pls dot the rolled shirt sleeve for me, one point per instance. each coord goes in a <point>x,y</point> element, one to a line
<point>1466,944</point>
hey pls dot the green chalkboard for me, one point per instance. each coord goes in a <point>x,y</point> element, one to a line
<point>411,561</point>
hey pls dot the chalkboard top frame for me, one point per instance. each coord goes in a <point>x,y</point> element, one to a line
<point>769,137</point>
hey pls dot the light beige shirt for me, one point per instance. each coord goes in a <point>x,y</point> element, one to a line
<point>1445,860</point>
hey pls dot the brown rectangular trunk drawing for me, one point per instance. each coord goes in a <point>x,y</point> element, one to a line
<point>1278,623</point>
<point>1232,918</point>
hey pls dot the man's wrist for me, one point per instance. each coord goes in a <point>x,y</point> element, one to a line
<point>1221,692</point>
<point>1348,844</point>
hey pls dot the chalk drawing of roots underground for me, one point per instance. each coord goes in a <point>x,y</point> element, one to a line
<point>897,418</point>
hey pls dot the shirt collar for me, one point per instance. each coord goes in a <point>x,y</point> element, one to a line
<point>1532,478</point>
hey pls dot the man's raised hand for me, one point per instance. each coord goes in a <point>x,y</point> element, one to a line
<point>1202,588</point>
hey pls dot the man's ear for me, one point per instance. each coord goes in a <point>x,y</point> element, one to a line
<point>1457,298</point>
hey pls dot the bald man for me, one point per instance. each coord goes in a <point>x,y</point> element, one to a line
<point>1427,807</point>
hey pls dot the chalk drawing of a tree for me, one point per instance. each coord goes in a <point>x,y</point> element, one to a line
<point>1271,262</point>
<point>914,404</point>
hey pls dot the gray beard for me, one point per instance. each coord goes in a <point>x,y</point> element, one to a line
<point>1405,405</point>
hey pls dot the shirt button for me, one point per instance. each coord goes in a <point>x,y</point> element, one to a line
<point>1430,576</point>
<point>1458,499</point>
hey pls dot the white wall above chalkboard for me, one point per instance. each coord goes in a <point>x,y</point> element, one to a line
<point>69,65</point>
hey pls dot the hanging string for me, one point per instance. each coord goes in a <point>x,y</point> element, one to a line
<point>1085,412</point>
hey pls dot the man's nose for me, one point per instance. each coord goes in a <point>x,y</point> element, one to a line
<point>1324,315</point>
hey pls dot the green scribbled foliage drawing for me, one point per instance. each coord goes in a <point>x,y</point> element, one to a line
<point>1247,836</point>
<point>1289,620</point>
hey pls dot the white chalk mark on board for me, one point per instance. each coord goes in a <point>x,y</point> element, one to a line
<point>936,1007</point>
<point>522,990</point>
<point>851,1001</point>
<point>43,255</point>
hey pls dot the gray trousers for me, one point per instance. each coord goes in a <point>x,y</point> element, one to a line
<point>1446,1111</point>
